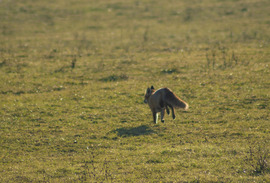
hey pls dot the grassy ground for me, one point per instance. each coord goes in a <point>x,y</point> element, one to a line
<point>73,75</point>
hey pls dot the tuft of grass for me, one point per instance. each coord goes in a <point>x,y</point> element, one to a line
<point>112,78</point>
<point>92,173</point>
<point>258,158</point>
<point>223,59</point>
<point>170,71</point>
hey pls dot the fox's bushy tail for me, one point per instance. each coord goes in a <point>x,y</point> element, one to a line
<point>175,101</point>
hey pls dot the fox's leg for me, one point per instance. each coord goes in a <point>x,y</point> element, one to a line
<point>162,115</point>
<point>155,117</point>
<point>173,115</point>
<point>167,109</point>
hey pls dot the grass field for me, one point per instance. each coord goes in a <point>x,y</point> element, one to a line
<point>73,75</point>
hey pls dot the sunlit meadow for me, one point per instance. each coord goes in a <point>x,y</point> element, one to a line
<point>73,75</point>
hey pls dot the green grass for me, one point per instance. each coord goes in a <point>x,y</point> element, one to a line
<point>73,76</point>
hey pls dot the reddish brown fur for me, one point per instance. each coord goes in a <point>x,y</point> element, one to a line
<point>161,99</point>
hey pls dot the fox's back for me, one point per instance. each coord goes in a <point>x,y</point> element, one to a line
<point>165,96</point>
<point>157,98</point>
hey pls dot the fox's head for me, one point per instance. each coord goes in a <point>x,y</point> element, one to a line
<point>148,93</point>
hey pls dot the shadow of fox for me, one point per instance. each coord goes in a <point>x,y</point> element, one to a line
<point>161,100</point>
<point>137,131</point>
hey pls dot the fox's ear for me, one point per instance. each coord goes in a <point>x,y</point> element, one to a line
<point>152,88</point>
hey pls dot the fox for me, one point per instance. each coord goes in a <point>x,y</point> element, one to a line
<point>161,100</point>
